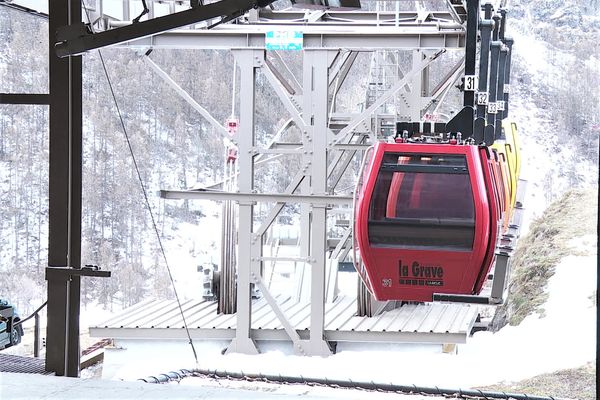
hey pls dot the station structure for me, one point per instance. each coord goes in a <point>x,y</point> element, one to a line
<point>417,60</point>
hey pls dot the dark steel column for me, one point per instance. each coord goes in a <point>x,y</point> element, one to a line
<point>482,89</point>
<point>64,222</point>
<point>464,120</point>
<point>471,46</point>
<point>36,336</point>
<point>484,56</point>
<point>509,44</point>
<point>497,21</point>
<point>56,329</point>
<point>75,194</point>
<point>493,83</point>
<point>500,91</point>
<point>502,32</point>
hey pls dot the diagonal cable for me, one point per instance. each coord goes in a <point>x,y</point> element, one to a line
<point>144,192</point>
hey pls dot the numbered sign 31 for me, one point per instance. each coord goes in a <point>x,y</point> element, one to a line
<point>470,83</point>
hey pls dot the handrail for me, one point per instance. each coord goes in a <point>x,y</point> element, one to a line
<point>36,330</point>
<point>32,315</point>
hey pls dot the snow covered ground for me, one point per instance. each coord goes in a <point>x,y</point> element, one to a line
<point>536,346</point>
<point>24,386</point>
<point>565,337</point>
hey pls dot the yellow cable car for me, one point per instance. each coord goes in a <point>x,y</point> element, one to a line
<point>512,137</point>
<point>509,148</point>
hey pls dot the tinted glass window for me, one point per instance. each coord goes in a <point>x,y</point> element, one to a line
<point>422,201</point>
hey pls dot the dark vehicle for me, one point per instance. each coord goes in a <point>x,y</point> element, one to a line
<point>10,333</point>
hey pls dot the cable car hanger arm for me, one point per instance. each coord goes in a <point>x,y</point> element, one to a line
<point>77,38</point>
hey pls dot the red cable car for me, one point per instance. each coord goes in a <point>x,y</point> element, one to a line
<point>426,220</point>
<point>487,166</point>
<point>501,176</point>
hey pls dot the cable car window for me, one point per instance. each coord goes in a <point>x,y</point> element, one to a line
<point>422,201</point>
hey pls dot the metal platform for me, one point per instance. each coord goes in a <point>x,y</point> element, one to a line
<point>23,365</point>
<point>423,323</point>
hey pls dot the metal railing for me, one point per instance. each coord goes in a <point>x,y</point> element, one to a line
<point>36,329</point>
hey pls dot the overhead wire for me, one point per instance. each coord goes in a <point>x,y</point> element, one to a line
<point>144,191</point>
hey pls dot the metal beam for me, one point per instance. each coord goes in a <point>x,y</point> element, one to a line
<point>283,95</point>
<point>294,82</point>
<point>323,37</point>
<point>268,221</point>
<point>500,92</point>
<point>509,43</point>
<point>255,197</point>
<point>247,61</point>
<point>283,148</point>
<point>280,335</point>
<point>385,97</point>
<point>337,75</point>
<point>25,98</point>
<point>495,47</point>
<point>449,78</point>
<point>486,26</point>
<point>287,326</point>
<point>344,161</point>
<point>27,10</point>
<point>186,96</point>
<point>259,158</point>
<point>339,71</point>
<point>351,146</point>
<point>471,47</point>
<point>437,99</point>
<point>316,84</point>
<point>355,17</point>
<point>76,39</point>
<point>439,93</point>
<point>280,78</point>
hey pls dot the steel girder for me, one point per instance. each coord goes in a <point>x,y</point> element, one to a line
<point>350,38</point>
<point>310,115</point>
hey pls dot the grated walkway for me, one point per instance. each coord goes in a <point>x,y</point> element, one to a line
<point>23,365</point>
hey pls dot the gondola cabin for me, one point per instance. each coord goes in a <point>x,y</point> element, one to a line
<point>512,138</point>
<point>503,173</point>
<point>509,147</point>
<point>426,220</point>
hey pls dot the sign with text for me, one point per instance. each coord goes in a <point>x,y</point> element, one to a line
<point>283,40</point>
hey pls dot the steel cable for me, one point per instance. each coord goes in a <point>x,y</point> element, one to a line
<point>144,192</point>
<point>349,384</point>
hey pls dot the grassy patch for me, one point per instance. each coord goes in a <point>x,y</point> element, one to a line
<point>538,253</point>
<point>578,383</point>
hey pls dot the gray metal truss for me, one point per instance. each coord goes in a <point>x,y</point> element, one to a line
<point>361,38</point>
<point>330,142</point>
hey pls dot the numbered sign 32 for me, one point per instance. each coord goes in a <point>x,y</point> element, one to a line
<point>482,98</point>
